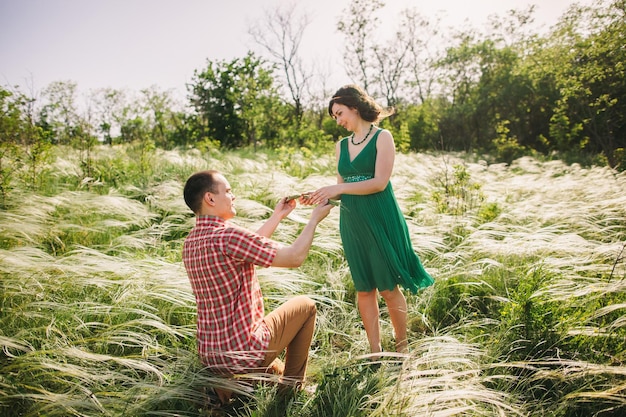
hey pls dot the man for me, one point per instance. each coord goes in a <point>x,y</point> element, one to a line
<point>220,259</point>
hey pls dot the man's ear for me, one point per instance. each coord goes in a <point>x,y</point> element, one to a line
<point>208,199</point>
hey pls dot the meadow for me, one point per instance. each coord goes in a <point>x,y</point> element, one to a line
<point>526,317</point>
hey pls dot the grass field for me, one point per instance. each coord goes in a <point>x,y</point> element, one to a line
<point>527,315</point>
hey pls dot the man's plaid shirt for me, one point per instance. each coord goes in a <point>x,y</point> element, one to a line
<point>220,260</point>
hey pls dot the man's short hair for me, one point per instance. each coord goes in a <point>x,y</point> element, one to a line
<point>197,186</point>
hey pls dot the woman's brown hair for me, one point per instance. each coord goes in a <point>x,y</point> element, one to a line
<point>355,97</point>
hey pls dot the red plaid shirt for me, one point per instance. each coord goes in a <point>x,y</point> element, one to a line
<point>220,260</point>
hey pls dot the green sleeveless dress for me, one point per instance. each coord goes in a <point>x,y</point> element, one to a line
<point>373,230</point>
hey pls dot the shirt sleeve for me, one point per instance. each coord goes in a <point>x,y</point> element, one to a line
<point>245,246</point>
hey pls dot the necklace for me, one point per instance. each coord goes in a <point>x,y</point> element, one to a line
<point>362,140</point>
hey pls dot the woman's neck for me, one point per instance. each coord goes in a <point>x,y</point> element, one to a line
<point>362,129</point>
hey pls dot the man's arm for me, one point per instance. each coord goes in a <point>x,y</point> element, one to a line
<point>294,255</point>
<point>283,208</point>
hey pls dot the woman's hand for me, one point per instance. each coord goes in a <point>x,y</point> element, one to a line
<point>321,195</point>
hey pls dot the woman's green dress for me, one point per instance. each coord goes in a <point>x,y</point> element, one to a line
<point>373,230</point>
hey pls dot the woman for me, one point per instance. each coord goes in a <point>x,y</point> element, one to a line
<point>373,230</point>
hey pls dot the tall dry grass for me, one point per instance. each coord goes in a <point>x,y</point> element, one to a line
<point>526,316</point>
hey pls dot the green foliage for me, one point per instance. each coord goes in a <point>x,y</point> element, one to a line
<point>590,78</point>
<point>13,123</point>
<point>529,323</point>
<point>505,91</point>
<point>330,126</point>
<point>346,392</point>
<point>422,126</point>
<point>489,212</point>
<point>460,300</point>
<point>233,99</point>
<point>36,156</point>
<point>299,162</point>
<point>542,319</point>
<point>507,148</point>
<point>208,146</point>
<point>620,159</point>
<point>134,130</point>
<point>525,317</point>
<point>142,153</point>
<point>306,136</point>
<point>10,163</point>
<point>560,92</point>
<point>114,171</point>
<point>402,138</point>
<point>25,149</point>
<point>456,193</point>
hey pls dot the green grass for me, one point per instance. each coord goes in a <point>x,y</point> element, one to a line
<point>526,317</point>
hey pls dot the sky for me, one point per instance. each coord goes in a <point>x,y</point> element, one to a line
<point>136,44</point>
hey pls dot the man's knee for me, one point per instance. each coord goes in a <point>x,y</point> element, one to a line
<point>306,304</point>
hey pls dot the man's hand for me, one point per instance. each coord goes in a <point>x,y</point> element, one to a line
<point>320,212</point>
<point>294,255</point>
<point>284,207</point>
<point>282,210</point>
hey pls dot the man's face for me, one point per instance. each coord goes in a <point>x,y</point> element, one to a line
<point>223,199</point>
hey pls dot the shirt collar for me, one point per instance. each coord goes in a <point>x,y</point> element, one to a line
<point>209,220</point>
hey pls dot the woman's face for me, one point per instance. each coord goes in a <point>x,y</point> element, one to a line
<point>346,117</point>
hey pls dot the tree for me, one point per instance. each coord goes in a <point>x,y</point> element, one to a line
<point>134,129</point>
<point>12,130</point>
<point>280,34</point>
<point>108,105</point>
<point>422,37</point>
<point>61,119</point>
<point>22,141</point>
<point>391,61</point>
<point>60,114</point>
<point>11,117</point>
<point>84,140</point>
<point>490,89</point>
<point>383,68</point>
<point>233,100</point>
<point>461,69</point>
<point>358,26</point>
<point>157,106</point>
<point>590,113</point>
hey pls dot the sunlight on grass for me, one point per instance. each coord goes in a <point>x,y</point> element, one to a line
<point>526,317</point>
<point>443,377</point>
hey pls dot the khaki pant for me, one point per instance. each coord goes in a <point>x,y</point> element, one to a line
<point>291,326</point>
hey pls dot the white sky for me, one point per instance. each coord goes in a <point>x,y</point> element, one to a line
<point>135,44</point>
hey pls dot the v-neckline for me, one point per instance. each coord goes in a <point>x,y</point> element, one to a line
<point>362,149</point>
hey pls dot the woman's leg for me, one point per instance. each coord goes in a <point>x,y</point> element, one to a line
<point>291,326</point>
<point>396,304</point>
<point>367,303</point>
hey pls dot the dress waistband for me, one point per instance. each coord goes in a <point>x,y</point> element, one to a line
<point>357,178</point>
